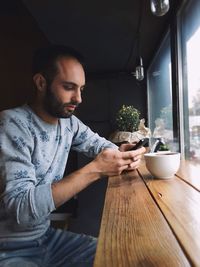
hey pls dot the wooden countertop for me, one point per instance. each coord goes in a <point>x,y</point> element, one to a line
<point>150,222</point>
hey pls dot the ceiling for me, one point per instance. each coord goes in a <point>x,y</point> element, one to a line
<point>109,33</point>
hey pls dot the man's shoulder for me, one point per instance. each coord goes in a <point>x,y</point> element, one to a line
<point>15,114</point>
<point>13,111</point>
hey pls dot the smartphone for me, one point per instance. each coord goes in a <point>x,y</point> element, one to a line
<point>143,142</point>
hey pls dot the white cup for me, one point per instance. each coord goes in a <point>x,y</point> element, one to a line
<point>162,165</point>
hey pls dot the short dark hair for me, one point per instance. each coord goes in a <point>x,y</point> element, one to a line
<point>45,58</point>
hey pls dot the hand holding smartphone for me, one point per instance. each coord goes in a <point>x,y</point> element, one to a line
<point>143,142</point>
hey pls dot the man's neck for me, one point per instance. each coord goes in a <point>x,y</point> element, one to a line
<point>40,112</point>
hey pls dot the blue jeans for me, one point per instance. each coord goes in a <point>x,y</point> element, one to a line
<point>56,248</point>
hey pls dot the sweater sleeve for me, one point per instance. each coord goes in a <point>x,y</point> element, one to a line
<point>23,198</point>
<point>88,142</point>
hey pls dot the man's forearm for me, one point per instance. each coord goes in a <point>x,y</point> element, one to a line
<point>109,162</point>
<point>72,184</point>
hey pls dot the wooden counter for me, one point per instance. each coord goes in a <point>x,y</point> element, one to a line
<point>150,222</point>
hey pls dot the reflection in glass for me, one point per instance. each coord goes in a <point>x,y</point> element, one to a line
<point>160,95</point>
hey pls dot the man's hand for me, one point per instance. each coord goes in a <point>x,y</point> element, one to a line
<point>112,162</point>
<point>137,159</point>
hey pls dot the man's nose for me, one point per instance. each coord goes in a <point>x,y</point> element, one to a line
<point>77,97</point>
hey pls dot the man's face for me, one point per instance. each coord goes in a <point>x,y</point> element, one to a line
<point>63,95</point>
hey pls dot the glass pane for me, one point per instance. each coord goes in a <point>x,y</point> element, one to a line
<point>160,95</point>
<point>190,42</point>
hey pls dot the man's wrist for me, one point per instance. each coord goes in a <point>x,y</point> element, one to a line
<point>92,169</point>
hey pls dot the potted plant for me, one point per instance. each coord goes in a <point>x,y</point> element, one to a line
<point>127,119</point>
<point>127,122</point>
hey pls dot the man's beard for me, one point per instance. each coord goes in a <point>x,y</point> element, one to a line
<point>56,108</point>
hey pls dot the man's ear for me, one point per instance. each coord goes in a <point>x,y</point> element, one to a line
<point>40,82</point>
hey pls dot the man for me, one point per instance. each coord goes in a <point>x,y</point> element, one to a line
<point>35,140</point>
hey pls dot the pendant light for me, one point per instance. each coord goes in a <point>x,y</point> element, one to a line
<point>139,70</point>
<point>159,7</point>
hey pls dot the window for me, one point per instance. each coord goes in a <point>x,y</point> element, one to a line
<point>189,23</point>
<point>159,87</point>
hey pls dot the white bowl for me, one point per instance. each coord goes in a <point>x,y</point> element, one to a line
<point>162,165</point>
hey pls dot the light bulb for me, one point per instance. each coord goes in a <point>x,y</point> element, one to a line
<point>139,71</point>
<point>159,7</point>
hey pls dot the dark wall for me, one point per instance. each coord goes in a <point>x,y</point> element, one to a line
<point>102,98</point>
<point>20,36</point>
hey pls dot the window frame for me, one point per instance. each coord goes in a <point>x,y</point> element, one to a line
<point>181,80</point>
<point>179,89</point>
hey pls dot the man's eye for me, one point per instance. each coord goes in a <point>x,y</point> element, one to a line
<point>68,87</point>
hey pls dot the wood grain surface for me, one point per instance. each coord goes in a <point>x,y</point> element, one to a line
<point>190,173</point>
<point>180,204</point>
<point>133,230</point>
